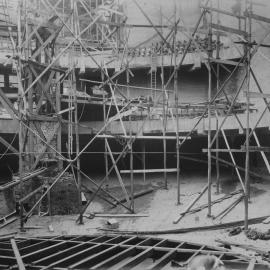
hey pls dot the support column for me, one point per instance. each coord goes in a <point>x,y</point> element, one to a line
<point>105,120</point>
<point>78,162</point>
<point>58,109</point>
<point>177,116</point>
<point>209,115</point>
<point>217,161</point>
<point>131,148</point>
<point>247,165</point>
<point>218,86</point>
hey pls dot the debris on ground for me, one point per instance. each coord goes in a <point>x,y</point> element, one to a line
<point>254,234</point>
<point>176,264</point>
<point>228,244</point>
<point>204,206</point>
<point>137,195</point>
<point>50,228</point>
<point>112,223</point>
<point>235,231</point>
<point>228,209</point>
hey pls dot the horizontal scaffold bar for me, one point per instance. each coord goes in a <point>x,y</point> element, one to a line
<point>149,171</point>
<point>226,62</point>
<point>256,95</point>
<point>228,29</point>
<point>142,137</point>
<point>259,18</point>
<point>224,150</point>
<point>242,150</point>
<point>255,148</point>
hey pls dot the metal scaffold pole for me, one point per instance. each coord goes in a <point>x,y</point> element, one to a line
<point>76,120</point>
<point>176,97</point>
<point>104,121</point>
<point>164,111</point>
<point>20,107</point>
<point>247,143</point>
<point>130,146</point>
<point>209,113</point>
<point>217,121</point>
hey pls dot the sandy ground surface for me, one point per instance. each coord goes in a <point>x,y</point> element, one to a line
<point>161,208</point>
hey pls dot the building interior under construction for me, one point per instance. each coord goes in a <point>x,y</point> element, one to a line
<point>121,120</point>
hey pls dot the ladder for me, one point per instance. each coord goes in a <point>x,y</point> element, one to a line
<point>153,75</point>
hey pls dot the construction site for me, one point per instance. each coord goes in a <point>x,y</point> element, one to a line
<point>134,134</point>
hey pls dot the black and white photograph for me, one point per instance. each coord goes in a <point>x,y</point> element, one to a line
<point>135,134</point>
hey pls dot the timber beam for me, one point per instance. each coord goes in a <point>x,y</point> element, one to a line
<point>228,29</point>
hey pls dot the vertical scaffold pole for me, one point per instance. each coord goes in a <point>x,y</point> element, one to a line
<point>164,113</point>
<point>177,115</point>
<point>20,106</point>
<point>209,112</point>
<point>247,165</point>
<point>77,138</point>
<point>164,140</point>
<point>78,165</point>
<point>131,147</point>
<point>105,120</point>
<point>58,108</point>
<point>218,85</point>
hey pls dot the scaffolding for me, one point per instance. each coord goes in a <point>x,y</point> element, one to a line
<point>118,251</point>
<point>42,83</point>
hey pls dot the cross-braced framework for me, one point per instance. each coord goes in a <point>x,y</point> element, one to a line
<point>51,30</point>
<point>110,251</point>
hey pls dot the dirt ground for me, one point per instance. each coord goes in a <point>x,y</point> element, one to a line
<point>161,208</point>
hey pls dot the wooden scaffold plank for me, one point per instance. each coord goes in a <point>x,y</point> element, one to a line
<point>18,257</point>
